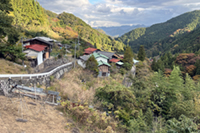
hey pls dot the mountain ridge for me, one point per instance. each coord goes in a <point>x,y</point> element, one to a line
<point>33,20</point>
<point>154,35</point>
<point>117,31</point>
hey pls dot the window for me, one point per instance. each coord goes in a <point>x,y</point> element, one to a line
<point>103,74</point>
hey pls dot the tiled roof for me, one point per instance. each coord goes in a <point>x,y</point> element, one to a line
<point>36,47</point>
<point>114,60</point>
<point>103,63</point>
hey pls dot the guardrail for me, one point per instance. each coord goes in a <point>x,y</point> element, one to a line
<point>34,75</point>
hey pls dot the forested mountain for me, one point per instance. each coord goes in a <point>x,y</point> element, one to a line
<point>117,31</point>
<point>33,20</point>
<point>163,36</point>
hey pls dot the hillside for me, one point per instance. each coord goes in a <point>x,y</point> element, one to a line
<point>39,119</point>
<point>33,20</point>
<point>117,31</point>
<point>8,67</point>
<point>156,35</point>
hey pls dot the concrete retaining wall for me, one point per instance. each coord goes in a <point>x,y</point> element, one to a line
<point>40,80</point>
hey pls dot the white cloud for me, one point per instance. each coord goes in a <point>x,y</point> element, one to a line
<point>122,12</point>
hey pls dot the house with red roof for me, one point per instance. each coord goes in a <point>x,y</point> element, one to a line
<point>35,54</point>
<point>39,43</point>
<point>89,51</point>
<point>38,49</point>
<point>118,62</point>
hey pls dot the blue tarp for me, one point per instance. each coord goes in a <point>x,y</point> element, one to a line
<point>39,90</point>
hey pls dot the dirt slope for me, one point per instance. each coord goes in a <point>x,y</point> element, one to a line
<point>40,120</point>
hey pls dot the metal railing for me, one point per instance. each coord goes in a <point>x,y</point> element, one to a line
<point>34,75</point>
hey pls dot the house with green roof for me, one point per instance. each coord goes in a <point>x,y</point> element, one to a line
<point>103,64</point>
<point>103,69</point>
<point>100,57</point>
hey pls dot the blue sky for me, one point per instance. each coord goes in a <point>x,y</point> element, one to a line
<point>122,12</point>
<point>94,1</point>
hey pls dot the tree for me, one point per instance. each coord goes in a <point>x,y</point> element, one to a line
<point>128,58</point>
<point>92,65</point>
<point>160,65</point>
<point>197,64</point>
<point>5,20</point>
<point>7,46</point>
<point>154,65</point>
<point>141,53</point>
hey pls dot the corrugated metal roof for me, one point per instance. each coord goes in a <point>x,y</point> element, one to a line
<point>135,61</point>
<point>97,55</point>
<point>39,39</point>
<point>103,63</point>
<point>39,90</point>
<point>114,60</point>
<point>107,54</point>
<point>85,57</point>
<point>31,53</point>
<point>119,63</point>
<point>37,47</point>
<point>47,39</point>
<point>90,50</point>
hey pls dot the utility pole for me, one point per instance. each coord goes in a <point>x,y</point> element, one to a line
<point>75,54</point>
<point>78,42</point>
<point>22,50</point>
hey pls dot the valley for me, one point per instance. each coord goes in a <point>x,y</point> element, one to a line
<point>60,75</point>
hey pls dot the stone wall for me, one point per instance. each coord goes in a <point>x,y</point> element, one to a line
<point>50,62</point>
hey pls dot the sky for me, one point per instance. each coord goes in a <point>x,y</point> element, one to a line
<point>108,13</point>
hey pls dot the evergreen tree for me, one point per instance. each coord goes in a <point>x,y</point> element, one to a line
<point>95,45</point>
<point>128,58</point>
<point>160,65</point>
<point>175,79</point>
<point>141,53</point>
<point>197,64</point>
<point>189,87</point>
<point>128,55</point>
<point>92,65</point>
<point>149,117</point>
<point>154,66</point>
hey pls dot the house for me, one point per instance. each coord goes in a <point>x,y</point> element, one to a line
<point>89,51</point>
<point>103,69</point>
<point>39,41</point>
<point>102,60</point>
<point>100,57</point>
<point>114,60</point>
<point>117,62</point>
<point>103,65</point>
<point>35,54</point>
<point>110,55</point>
<point>107,54</point>
<point>82,60</point>
<point>135,61</point>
